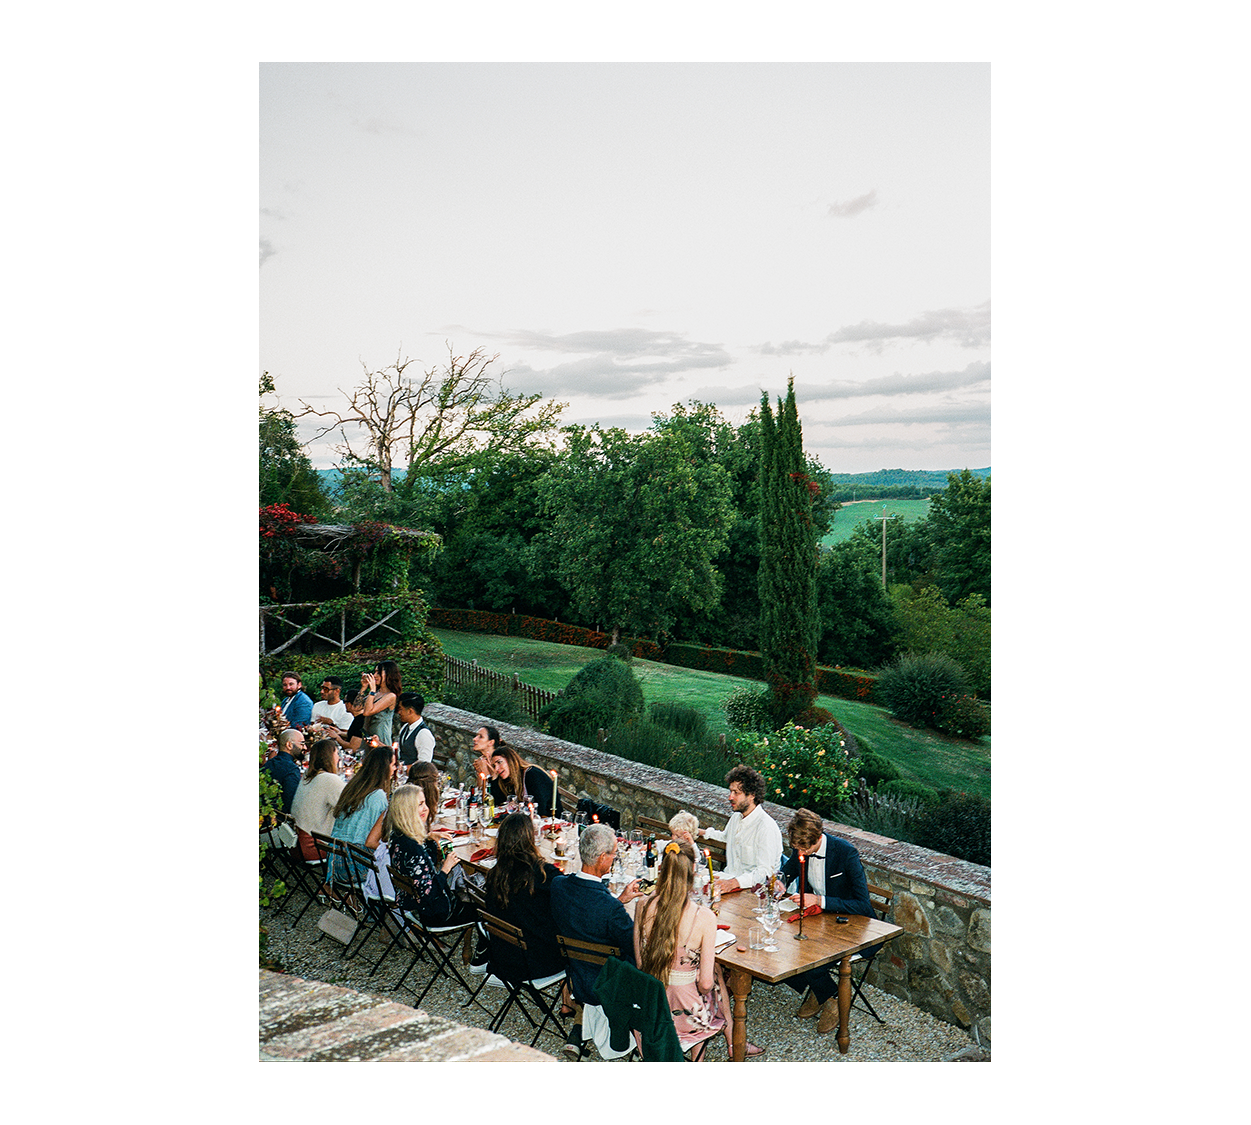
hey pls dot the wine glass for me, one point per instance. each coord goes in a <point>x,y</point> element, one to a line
<point>771,920</point>
<point>761,891</point>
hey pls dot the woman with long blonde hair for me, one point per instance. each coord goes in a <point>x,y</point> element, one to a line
<point>675,941</point>
<point>406,830</point>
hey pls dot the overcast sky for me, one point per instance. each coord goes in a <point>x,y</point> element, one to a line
<point>627,236</point>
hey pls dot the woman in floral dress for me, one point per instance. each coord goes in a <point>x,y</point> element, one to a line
<point>675,941</point>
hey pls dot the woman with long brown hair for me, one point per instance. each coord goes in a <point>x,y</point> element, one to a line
<point>359,812</point>
<point>519,890</point>
<point>382,688</point>
<point>675,941</point>
<point>513,776</point>
<point>319,791</point>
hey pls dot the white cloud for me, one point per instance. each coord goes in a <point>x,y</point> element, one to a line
<point>853,206</point>
<point>968,327</point>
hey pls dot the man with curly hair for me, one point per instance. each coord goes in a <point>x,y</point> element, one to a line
<point>753,840</point>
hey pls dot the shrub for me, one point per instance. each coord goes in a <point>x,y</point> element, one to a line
<point>813,716</point>
<point>915,688</point>
<point>620,651</point>
<point>893,817</point>
<point>747,709</point>
<point>686,721</point>
<point>483,698</point>
<point>959,825</point>
<point>802,768</point>
<point>603,693</point>
<point>874,768</point>
<point>655,745</point>
<point>964,716</point>
<point>905,787</point>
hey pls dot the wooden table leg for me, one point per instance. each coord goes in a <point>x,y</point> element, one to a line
<point>844,1004</point>
<point>740,989</point>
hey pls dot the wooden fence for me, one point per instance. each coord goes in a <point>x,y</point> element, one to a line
<point>459,673</point>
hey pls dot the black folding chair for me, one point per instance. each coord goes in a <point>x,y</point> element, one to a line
<point>287,863</point>
<point>380,909</point>
<point>865,959</point>
<point>543,991</point>
<point>439,943</point>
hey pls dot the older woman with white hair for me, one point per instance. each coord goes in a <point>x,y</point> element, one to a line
<point>683,826</point>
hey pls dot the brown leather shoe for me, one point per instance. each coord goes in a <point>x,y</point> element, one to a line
<point>809,1008</point>
<point>829,1016</point>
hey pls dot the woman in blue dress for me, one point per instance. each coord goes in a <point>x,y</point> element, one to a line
<point>381,688</point>
<point>362,807</point>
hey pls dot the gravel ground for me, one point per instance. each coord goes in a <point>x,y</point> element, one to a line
<point>908,1034</point>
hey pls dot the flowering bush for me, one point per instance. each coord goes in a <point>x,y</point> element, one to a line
<point>809,769</point>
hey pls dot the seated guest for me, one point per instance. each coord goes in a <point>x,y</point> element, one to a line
<point>675,941</point>
<point>683,826</point>
<point>284,768</point>
<point>330,710</point>
<point>426,775</point>
<point>316,797</point>
<point>515,778</point>
<point>351,738</point>
<point>296,707</point>
<point>583,908</point>
<point>519,890</point>
<point>753,841</point>
<point>406,829</point>
<point>835,877</point>
<point>415,738</point>
<point>362,806</point>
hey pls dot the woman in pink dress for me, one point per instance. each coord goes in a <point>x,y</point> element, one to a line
<point>675,941</point>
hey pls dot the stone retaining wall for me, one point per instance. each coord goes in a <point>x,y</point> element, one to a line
<point>940,963</point>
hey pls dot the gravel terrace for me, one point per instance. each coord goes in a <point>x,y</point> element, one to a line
<point>908,1035</point>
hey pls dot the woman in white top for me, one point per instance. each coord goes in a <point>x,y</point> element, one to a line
<point>316,796</point>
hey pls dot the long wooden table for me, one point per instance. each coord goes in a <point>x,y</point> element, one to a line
<point>824,941</point>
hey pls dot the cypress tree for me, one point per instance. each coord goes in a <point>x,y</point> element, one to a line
<point>788,561</point>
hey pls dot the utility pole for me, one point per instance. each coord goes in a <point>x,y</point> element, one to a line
<point>884,517</point>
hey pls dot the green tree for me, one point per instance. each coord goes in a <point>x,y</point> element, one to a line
<point>633,526</point>
<point>959,517</point>
<point>788,560</point>
<point>961,632</point>
<point>856,618</point>
<point>286,474</point>
<point>447,418</point>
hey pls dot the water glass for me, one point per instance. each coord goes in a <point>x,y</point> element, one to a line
<point>755,938</point>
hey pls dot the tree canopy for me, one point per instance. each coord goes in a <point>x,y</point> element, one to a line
<point>634,524</point>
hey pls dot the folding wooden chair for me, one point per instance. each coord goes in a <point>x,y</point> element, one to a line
<point>882,908</point>
<point>381,910</point>
<point>544,991</point>
<point>588,952</point>
<point>440,943</point>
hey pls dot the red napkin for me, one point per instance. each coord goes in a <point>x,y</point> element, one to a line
<point>450,803</point>
<point>480,855</point>
<point>808,912</point>
<point>457,831</point>
<point>722,926</point>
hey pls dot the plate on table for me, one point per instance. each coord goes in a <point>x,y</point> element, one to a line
<point>490,832</point>
<point>724,938</point>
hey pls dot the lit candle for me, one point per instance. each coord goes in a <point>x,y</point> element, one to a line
<point>712,883</point>
<point>554,776</point>
<point>803,881</point>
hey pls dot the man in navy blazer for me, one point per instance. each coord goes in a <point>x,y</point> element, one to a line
<point>584,909</point>
<point>834,877</point>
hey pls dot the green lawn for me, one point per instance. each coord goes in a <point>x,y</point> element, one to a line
<point>920,755</point>
<point>850,516</point>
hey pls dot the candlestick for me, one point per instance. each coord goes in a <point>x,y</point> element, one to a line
<point>554,777</point>
<point>712,882</point>
<point>803,883</point>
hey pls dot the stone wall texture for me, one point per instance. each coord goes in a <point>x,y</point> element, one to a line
<point>940,963</point>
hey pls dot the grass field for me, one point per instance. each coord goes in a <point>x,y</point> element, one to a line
<point>850,516</point>
<point>920,755</point>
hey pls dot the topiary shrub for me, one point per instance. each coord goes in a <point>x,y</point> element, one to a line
<point>603,693</point>
<point>483,698</point>
<point>904,787</point>
<point>747,708</point>
<point>875,769</point>
<point>916,688</point>
<point>812,716</point>
<point>959,825</point>
<point>684,720</point>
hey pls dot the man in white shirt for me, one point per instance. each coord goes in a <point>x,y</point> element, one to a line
<point>330,708</point>
<point>753,841</point>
